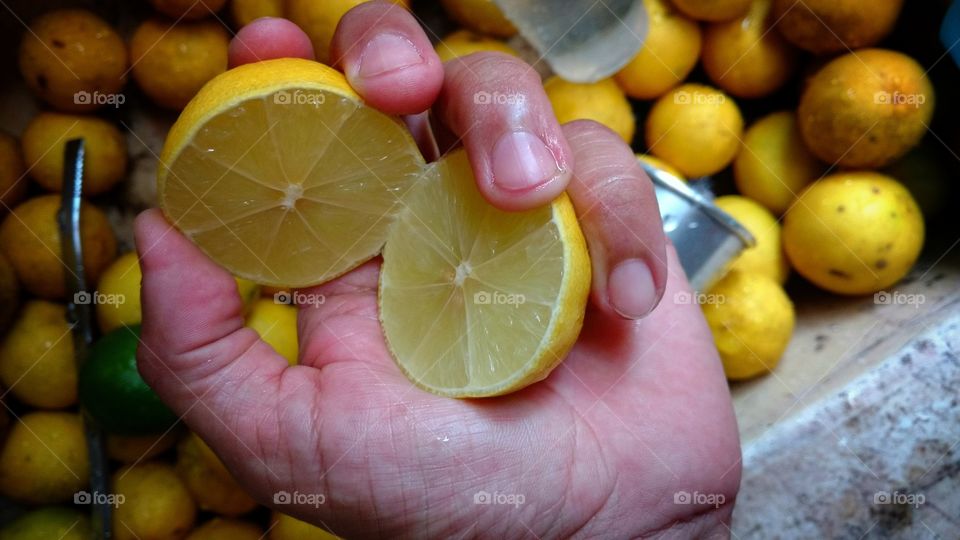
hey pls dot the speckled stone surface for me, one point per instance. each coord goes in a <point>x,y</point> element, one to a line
<point>879,459</point>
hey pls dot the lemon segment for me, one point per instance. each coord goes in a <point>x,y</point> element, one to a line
<point>475,301</point>
<point>281,174</point>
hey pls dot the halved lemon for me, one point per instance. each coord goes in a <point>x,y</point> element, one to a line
<point>475,301</point>
<point>281,174</point>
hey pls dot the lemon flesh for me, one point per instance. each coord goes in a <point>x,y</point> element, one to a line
<point>280,173</point>
<point>475,301</point>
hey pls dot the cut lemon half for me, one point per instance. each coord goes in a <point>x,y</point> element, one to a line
<point>280,173</point>
<point>475,301</point>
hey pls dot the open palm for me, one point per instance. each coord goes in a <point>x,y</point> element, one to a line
<point>637,416</point>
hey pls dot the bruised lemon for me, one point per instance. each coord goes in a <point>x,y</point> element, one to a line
<point>73,60</point>
<point>854,232</point>
<point>866,109</point>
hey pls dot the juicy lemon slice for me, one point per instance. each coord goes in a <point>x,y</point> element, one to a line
<point>281,174</point>
<point>475,301</point>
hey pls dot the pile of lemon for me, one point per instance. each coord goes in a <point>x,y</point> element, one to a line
<point>854,231</point>
<point>173,485</point>
<point>816,180</point>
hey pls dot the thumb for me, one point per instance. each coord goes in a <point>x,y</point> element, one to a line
<point>195,351</point>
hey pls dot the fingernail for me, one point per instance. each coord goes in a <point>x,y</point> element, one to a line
<point>522,161</point>
<point>386,53</point>
<point>631,289</point>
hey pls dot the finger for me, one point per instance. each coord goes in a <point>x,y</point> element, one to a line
<point>496,104</point>
<point>620,218</point>
<point>267,38</point>
<point>387,58</point>
<point>195,352</point>
<point>338,323</point>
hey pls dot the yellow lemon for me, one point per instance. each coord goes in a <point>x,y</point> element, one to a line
<point>120,283</point>
<point>308,202</point>
<point>49,522</point>
<point>105,150</point>
<point>210,484</point>
<point>854,233</point>
<point>695,128</point>
<point>602,101</point>
<point>745,56</point>
<point>277,325</point>
<point>830,26</point>
<point>766,256</point>
<point>284,527</point>
<point>188,9</point>
<point>246,11</point>
<point>481,15</point>
<point>464,42</point>
<point>156,504</point>
<point>752,321</point>
<point>775,165</point>
<point>713,10</point>
<point>226,529</point>
<point>73,60</point>
<point>319,20</point>
<point>866,109</point>
<point>172,61</point>
<point>44,458</point>
<point>13,185</point>
<point>30,239</point>
<point>461,271</point>
<point>36,359</point>
<point>668,54</point>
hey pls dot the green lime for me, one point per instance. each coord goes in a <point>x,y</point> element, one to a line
<point>49,522</point>
<point>113,392</point>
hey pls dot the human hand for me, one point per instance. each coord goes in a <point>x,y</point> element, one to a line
<point>637,412</point>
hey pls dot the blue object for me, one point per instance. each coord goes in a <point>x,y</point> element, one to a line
<point>950,33</point>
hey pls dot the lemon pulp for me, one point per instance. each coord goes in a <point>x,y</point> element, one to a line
<point>282,175</point>
<point>476,301</point>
